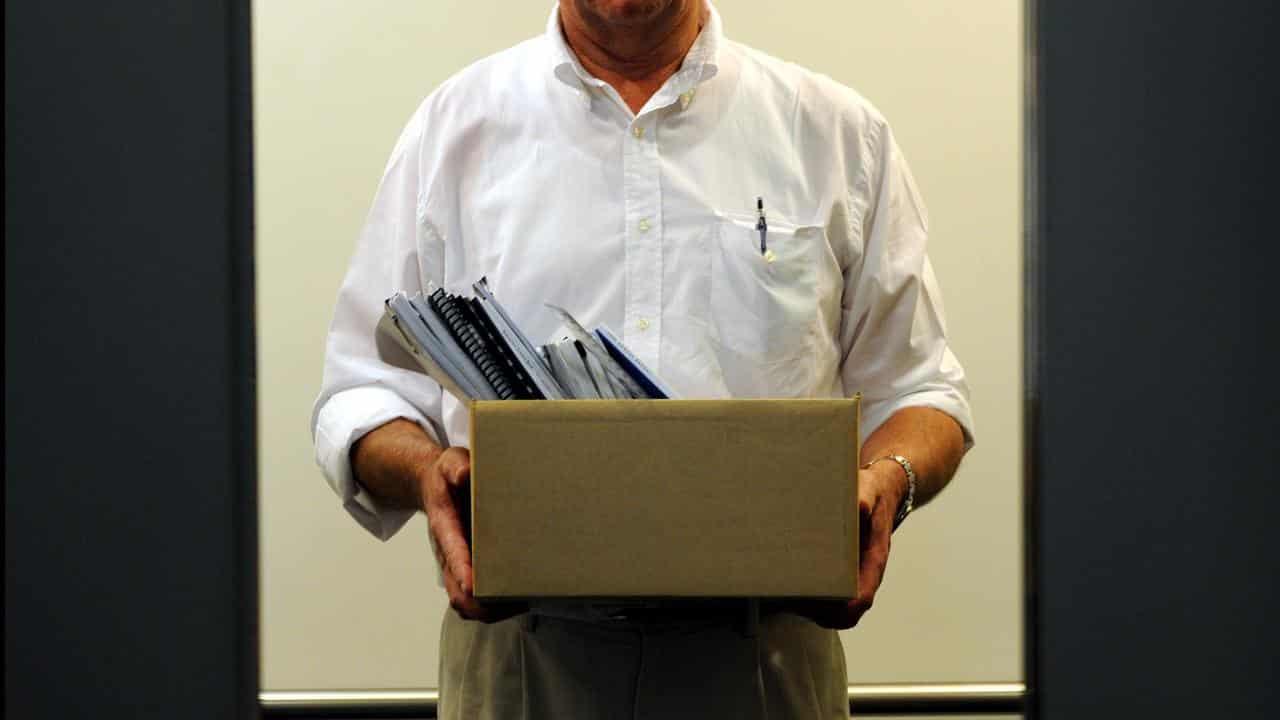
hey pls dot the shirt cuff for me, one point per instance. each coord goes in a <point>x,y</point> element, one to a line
<point>946,399</point>
<point>345,418</point>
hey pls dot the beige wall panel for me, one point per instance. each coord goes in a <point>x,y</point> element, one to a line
<point>335,81</point>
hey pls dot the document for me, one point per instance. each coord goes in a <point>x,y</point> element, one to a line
<point>471,346</point>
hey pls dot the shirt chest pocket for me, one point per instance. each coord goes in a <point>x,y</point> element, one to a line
<point>764,306</point>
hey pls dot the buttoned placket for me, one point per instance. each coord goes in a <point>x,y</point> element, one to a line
<point>642,192</point>
<point>642,212</point>
<point>642,220</point>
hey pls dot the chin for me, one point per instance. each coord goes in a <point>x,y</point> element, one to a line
<point>625,11</point>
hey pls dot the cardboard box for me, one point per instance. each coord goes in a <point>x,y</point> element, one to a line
<point>664,498</point>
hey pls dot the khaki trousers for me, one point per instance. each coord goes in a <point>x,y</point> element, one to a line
<point>536,667</point>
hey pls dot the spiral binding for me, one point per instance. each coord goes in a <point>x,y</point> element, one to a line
<point>521,382</point>
<point>471,341</point>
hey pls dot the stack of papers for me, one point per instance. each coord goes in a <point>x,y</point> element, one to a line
<point>474,350</point>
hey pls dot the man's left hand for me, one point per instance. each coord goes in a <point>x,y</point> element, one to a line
<point>881,488</point>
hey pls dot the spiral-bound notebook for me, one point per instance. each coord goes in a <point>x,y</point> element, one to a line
<point>475,351</point>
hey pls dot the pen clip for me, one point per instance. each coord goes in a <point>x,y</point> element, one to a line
<point>763,226</point>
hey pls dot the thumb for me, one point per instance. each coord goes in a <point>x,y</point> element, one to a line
<point>455,467</point>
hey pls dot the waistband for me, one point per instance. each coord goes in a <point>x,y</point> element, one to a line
<point>652,616</point>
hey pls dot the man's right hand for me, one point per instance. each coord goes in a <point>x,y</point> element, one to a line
<point>444,486</point>
<point>400,464</point>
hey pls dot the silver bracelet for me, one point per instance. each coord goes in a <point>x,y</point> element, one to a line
<point>909,501</point>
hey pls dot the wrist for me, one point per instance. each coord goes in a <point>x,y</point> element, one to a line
<point>897,474</point>
<point>393,461</point>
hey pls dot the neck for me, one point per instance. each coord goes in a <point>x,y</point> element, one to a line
<point>634,56</point>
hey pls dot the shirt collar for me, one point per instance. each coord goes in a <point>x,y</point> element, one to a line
<point>700,64</point>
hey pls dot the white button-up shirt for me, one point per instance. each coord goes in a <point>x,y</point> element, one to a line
<point>529,171</point>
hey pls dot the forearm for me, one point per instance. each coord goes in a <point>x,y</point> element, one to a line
<point>929,438</point>
<point>391,460</point>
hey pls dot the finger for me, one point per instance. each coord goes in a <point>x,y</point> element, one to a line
<point>455,468</point>
<point>455,465</point>
<point>448,478</point>
<point>866,504</point>
<point>873,560</point>
<point>866,494</point>
<point>469,608</point>
<point>462,601</point>
<point>446,531</point>
<point>435,547</point>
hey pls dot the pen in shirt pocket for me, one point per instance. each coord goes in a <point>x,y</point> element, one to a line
<point>763,227</point>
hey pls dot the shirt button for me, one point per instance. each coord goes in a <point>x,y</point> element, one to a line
<point>644,224</point>
<point>638,131</point>
<point>685,99</point>
<point>643,324</point>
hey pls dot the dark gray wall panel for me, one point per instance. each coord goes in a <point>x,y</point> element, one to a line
<point>129,490</point>
<point>1153,470</point>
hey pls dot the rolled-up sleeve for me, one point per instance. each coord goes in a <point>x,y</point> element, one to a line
<point>893,332</point>
<point>360,390</point>
<point>342,420</point>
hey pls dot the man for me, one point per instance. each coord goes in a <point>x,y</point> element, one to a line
<point>613,166</point>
